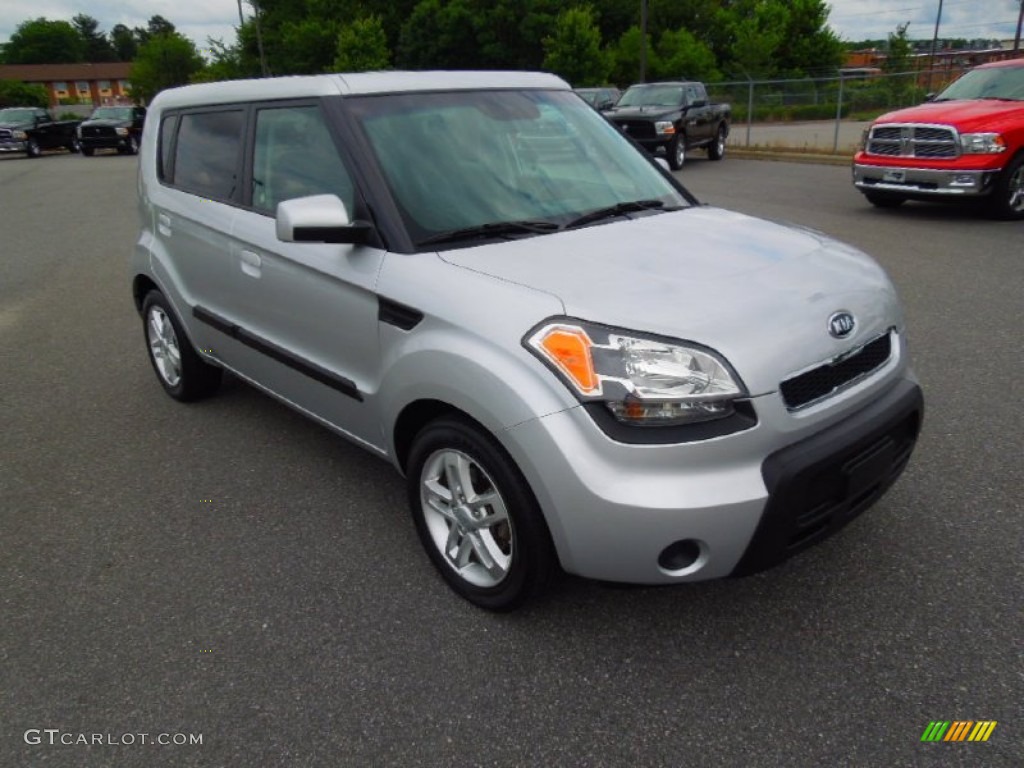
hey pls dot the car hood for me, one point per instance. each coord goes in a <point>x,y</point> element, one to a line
<point>758,292</point>
<point>975,114</point>
<point>14,126</point>
<point>107,122</point>
<point>646,113</point>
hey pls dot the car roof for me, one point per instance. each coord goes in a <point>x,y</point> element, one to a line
<point>362,83</point>
<point>1005,63</point>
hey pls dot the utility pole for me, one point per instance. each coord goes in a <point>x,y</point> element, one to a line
<point>643,41</point>
<point>935,40</point>
<point>259,39</point>
<point>1020,20</point>
<point>241,18</point>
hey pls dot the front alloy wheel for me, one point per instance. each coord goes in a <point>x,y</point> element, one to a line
<point>677,152</point>
<point>476,516</point>
<point>467,518</point>
<point>32,149</point>
<point>163,346</point>
<point>1008,194</point>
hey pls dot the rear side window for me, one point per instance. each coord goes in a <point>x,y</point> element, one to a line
<point>206,153</point>
<point>167,128</point>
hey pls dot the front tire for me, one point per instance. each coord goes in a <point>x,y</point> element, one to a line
<point>677,152</point>
<point>88,151</point>
<point>32,148</point>
<point>75,146</point>
<point>476,517</point>
<point>1007,201</point>
<point>884,199</point>
<point>183,374</point>
<point>716,150</point>
<point>133,146</point>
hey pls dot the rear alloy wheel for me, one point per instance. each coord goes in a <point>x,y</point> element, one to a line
<point>1008,193</point>
<point>476,516</point>
<point>677,152</point>
<point>32,148</point>
<point>885,199</point>
<point>182,373</point>
<point>716,150</point>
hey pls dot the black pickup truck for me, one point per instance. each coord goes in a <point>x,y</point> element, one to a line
<point>117,128</point>
<point>673,117</point>
<point>30,130</point>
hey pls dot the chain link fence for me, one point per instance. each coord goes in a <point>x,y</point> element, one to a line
<point>860,94</point>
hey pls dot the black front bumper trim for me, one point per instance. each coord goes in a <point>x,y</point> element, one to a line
<point>817,486</point>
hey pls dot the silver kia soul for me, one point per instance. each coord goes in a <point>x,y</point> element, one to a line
<point>476,277</point>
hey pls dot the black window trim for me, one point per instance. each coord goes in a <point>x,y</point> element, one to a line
<point>177,114</point>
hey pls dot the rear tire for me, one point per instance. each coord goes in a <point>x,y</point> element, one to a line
<point>716,150</point>
<point>476,516</point>
<point>183,374</point>
<point>884,199</point>
<point>1007,200</point>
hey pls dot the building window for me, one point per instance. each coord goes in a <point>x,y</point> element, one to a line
<point>124,86</point>
<point>104,87</point>
<point>60,89</point>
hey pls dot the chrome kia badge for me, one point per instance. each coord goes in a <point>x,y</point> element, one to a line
<point>841,324</point>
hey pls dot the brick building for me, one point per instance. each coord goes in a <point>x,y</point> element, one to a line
<point>95,84</point>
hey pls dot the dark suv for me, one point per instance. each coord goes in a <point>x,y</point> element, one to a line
<point>117,128</point>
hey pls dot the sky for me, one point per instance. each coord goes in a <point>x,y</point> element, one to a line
<point>851,19</point>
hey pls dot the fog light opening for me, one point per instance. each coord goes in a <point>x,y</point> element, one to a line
<point>681,557</point>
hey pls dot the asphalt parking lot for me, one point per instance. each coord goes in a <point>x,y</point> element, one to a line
<point>232,571</point>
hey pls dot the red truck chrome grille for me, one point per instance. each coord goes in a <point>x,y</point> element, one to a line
<point>910,140</point>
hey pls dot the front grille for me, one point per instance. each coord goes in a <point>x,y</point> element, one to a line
<point>813,385</point>
<point>98,131</point>
<point>909,140</point>
<point>638,129</point>
<point>5,134</point>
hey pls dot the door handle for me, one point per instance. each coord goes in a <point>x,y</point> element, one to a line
<point>163,223</point>
<point>251,263</point>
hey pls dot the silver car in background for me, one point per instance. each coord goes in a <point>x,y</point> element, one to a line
<point>476,277</point>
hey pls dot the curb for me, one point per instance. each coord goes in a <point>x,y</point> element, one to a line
<point>790,156</point>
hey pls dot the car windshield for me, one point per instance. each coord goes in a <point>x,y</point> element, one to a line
<point>112,113</point>
<point>16,115</point>
<point>990,83</point>
<point>467,159</point>
<point>652,96</point>
<point>589,96</point>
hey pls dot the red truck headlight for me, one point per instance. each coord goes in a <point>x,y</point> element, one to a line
<point>982,143</point>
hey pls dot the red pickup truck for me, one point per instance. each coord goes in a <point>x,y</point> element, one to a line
<point>968,142</point>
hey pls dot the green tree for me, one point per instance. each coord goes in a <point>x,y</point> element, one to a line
<point>225,63</point>
<point>757,30</point>
<point>440,34</point>
<point>574,49</point>
<point>680,55</point>
<point>363,46</point>
<point>41,41</point>
<point>898,51</point>
<point>17,94</point>
<point>96,45</point>
<point>123,40</point>
<point>810,45</point>
<point>624,57</point>
<point>164,61</point>
<point>157,25</point>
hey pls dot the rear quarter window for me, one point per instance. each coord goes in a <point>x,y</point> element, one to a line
<point>207,153</point>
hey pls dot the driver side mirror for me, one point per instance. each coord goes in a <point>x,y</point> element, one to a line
<point>318,219</point>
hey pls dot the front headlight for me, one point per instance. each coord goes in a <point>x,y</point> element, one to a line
<point>642,380</point>
<point>982,143</point>
<point>19,135</point>
<point>664,127</point>
<point>121,131</point>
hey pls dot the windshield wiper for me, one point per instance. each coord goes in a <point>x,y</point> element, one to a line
<point>494,229</point>
<point>619,209</point>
